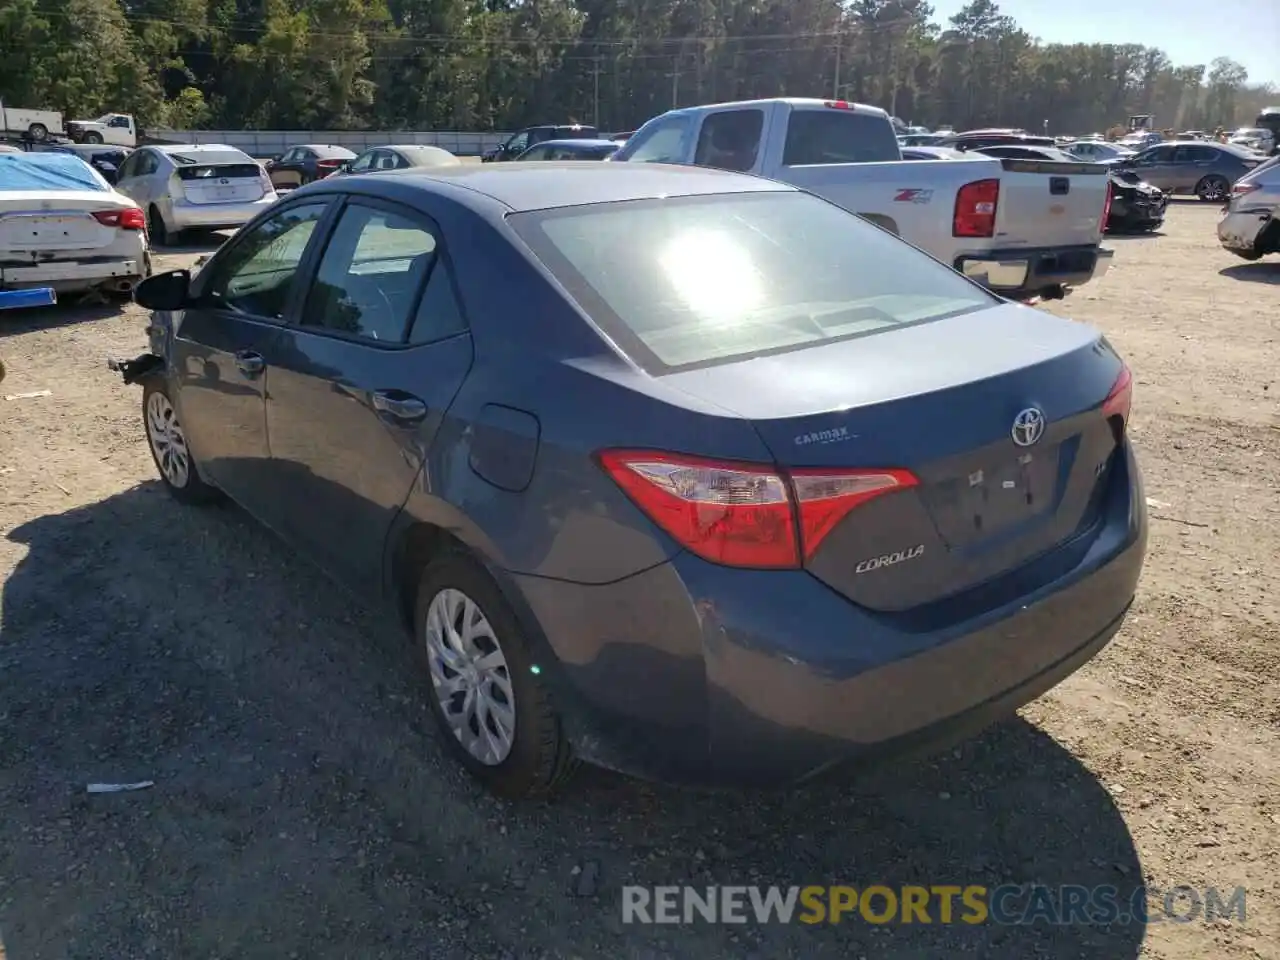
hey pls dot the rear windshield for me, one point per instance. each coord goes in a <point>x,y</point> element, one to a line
<point>47,171</point>
<point>691,281</point>
<point>838,136</point>
<point>206,157</point>
<point>206,170</point>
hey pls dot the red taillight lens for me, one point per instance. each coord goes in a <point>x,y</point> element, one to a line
<point>741,514</point>
<point>1106,208</point>
<point>976,204</point>
<point>328,164</point>
<point>837,104</point>
<point>130,218</point>
<point>1120,399</point>
<point>1240,189</point>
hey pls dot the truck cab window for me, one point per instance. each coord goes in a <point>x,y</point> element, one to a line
<point>841,136</point>
<point>730,140</point>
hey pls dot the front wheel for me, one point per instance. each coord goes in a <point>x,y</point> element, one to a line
<point>169,450</point>
<point>485,691</point>
<point>1213,188</point>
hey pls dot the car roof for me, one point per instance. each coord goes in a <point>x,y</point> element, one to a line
<point>195,148</point>
<point>577,142</point>
<point>332,149</point>
<point>539,186</point>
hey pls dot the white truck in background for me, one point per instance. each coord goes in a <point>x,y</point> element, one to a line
<point>39,126</point>
<point>117,129</point>
<point>1024,228</point>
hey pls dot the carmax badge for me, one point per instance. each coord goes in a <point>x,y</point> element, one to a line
<point>889,559</point>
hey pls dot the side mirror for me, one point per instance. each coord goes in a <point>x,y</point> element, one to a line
<point>164,291</point>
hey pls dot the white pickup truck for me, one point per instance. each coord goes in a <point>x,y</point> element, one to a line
<point>114,128</point>
<point>1024,228</point>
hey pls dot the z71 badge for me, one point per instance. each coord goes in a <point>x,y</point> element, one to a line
<point>913,195</point>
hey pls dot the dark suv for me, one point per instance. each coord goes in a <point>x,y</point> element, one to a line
<point>521,141</point>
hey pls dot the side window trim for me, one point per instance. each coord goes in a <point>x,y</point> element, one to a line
<point>306,266</point>
<point>320,244</point>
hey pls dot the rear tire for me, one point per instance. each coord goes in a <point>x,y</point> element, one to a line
<point>1213,188</point>
<point>168,444</point>
<point>38,132</point>
<point>158,232</point>
<point>483,683</point>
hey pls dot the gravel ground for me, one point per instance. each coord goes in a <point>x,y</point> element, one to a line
<point>303,806</point>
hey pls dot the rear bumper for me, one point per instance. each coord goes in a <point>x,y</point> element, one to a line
<point>694,673</point>
<point>1022,273</point>
<point>1240,231</point>
<point>68,275</point>
<point>215,216</point>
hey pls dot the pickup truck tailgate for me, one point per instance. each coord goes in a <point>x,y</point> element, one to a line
<point>1044,203</point>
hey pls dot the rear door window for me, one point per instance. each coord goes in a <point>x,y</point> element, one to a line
<point>370,275</point>
<point>730,140</point>
<point>838,136</point>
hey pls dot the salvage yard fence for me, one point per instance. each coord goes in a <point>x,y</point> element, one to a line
<point>269,143</point>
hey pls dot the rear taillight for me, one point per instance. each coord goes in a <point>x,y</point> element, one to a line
<point>1240,189</point>
<point>740,514</point>
<point>1106,208</point>
<point>837,104</point>
<point>130,218</point>
<point>1120,399</point>
<point>328,164</point>
<point>976,204</point>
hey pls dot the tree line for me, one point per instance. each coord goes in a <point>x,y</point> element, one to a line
<point>501,64</point>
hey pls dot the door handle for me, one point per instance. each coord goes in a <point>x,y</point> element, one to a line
<point>249,363</point>
<point>399,406</point>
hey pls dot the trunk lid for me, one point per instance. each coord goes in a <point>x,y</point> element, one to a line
<point>941,400</point>
<point>49,221</point>
<point>1044,203</point>
<point>222,182</point>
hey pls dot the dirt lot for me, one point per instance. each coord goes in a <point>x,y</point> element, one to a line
<point>302,806</point>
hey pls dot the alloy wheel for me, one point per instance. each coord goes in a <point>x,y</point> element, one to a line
<point>168,442</point>
<point>470,676</point>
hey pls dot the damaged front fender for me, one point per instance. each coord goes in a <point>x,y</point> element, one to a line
<point>139,368</point>
<point>151,363</point>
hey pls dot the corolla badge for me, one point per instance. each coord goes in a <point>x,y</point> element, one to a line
<point>1028,427</point>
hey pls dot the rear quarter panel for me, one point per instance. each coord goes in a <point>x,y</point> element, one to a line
<point>537,354</point>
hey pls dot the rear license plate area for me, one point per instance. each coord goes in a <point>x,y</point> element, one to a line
<point>224,193</point>
<point>994,497</point>
<point>35,232</point>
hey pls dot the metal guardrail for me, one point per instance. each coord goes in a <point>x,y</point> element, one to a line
<point>269,143</point>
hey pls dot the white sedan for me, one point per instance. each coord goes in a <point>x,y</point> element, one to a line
<point>63,226</point>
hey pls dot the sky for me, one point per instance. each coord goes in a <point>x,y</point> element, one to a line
<point>1189,31</point>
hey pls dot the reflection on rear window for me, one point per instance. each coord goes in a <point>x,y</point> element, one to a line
<point>696,280</point>
<point>47,171</point>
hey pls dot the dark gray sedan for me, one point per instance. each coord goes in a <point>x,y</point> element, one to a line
<point>672,470</point>
<point>1204,170</point>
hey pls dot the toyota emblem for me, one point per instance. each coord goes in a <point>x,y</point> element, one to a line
<point>1028,427</point>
